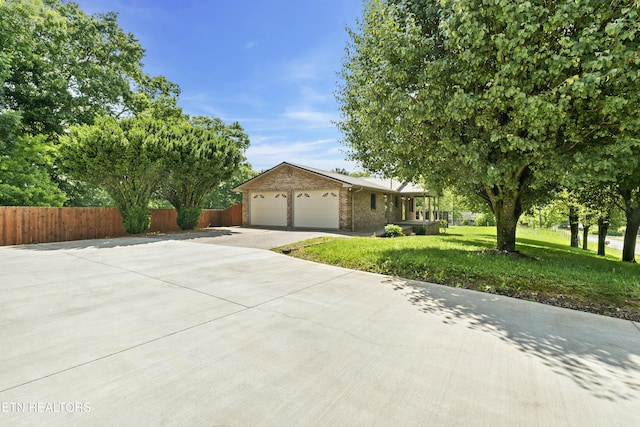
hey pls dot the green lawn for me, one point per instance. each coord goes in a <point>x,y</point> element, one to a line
<point>548,271</point>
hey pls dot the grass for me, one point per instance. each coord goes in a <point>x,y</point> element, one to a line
<point>547,270</point>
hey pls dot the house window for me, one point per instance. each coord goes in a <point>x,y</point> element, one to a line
<point>373,201</point>
<point>411,206</point>
<point>395,202</point>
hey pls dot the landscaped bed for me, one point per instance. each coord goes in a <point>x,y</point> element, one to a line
<point>545,269</point>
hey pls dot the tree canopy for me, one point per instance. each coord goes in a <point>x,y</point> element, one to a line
<point>121,156</point>
<point>182,160</point>
<point>495,97</point>
<point>199,154</point>
<point>62,67</point>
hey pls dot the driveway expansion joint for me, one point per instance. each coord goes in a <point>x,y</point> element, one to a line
<point>124,350</point>
<point>301,289</point>
<point>162,281</point>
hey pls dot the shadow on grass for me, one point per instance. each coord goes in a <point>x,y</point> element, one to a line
<point>542,244</point>
<point>600,354</point>
<point>570,257</point>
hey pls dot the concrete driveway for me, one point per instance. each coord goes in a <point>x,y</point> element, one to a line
<point>179,331</point>
<point>257,238</point>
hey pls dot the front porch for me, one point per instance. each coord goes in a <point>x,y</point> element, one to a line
<point>414,208</point>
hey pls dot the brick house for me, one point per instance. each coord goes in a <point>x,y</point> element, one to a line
<point>296,196</point>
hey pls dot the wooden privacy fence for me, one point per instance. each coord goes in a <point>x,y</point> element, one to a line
<point>22,225</point>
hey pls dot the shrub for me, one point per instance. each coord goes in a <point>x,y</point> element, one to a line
<point>135,219</point>
<point>616,232</point>
<point>420,230</point>
<point>188,217</point>
<point>485,219</point>
<point>393,230</point>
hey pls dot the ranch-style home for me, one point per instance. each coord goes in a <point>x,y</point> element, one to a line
<point>296,196</point>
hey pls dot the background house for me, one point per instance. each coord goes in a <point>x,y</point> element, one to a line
<point>296,196</point>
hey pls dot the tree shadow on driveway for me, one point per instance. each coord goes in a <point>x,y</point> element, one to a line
<point>130,240</point>
<point>600,354</point>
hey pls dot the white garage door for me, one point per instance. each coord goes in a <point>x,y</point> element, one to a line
<point>316,209</point>
<point>268,208</point>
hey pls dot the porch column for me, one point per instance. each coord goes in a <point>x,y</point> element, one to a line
<point>424,212</point>
<point>388,214</point>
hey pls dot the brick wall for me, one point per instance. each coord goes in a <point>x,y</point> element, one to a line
<point>395,211</point>
<point>365,217</point>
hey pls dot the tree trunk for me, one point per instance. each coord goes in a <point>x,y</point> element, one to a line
<point>507,212</point>
<point>573,223</point>
<point>585,237</point>
<point>603,229</point>
<point>507,208</point>
<point>540,216</point>
<point>631,235</point>
<point>506,229</point>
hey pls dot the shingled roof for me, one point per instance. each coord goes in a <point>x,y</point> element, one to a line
<point>371,183</point>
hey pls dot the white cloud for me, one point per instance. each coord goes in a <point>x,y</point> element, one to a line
<point>266,152</point>
<point>199,104</point>
<point>315,119</point>
<point>268,148</point>
<point>205,104</point>
<point>312,66</point>
<point>302,71</point>
<point>311,95</point>
<point>269,152</point>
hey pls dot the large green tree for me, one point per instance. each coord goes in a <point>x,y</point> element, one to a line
<point>124,158</point>
<point>599,203</point>
<point>607,96</point>
<point>615,164</point>
<point>132,159</point>
<point>618,165</point>
<point>631,199</point>
<point>25,165</point>
<point>199,154</point>
<point>496,97</point>
<point>62,67</point>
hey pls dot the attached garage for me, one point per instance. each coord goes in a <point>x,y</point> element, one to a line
<point>316,208</point>
<point>268,208</point>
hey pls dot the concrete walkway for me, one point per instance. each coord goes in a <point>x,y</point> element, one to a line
<point>186,331</point>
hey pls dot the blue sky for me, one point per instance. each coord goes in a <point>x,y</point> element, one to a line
<point>270,65</point>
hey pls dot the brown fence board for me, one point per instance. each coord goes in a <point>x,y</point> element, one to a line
<point>163,220</point>
<point>19,227</point>
<point>23,225</point>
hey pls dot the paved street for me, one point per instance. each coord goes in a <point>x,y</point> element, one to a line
<point>615,242</point>
<point>205,329</point>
